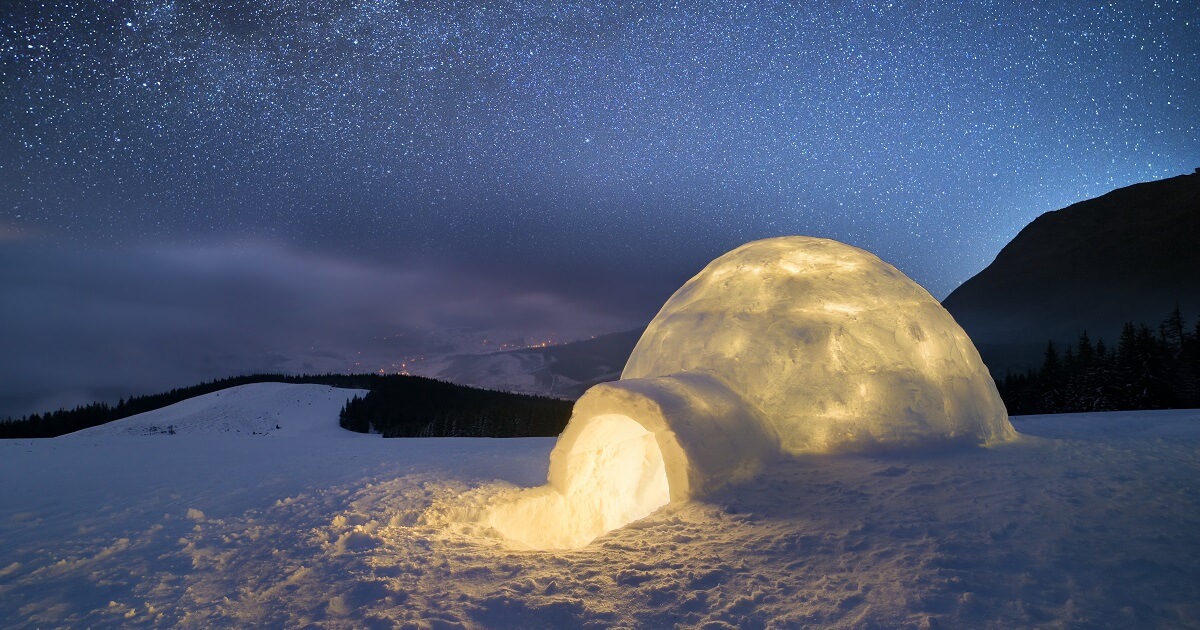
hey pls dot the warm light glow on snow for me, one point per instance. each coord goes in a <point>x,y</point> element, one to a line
<point>616,476</point>
<point>783,346</point>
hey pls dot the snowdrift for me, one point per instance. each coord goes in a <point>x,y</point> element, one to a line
<point>783,346</point>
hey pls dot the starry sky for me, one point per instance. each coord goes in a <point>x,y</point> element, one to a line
<point>197,188</point>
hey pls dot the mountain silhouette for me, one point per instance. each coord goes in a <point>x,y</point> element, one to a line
<point>1129,255</point>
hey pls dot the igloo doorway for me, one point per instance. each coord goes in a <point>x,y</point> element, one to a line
<point>614,475</point>
<point>631,447</point>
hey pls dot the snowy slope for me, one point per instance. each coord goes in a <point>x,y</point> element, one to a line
<point>522,371</point>
<point>1089,520</point>
<point>560,371</point>
<point>279,409</point>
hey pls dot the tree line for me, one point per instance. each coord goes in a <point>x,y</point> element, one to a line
<point>1147,369</point>
<point>419,407</point>
<point>449,410</point>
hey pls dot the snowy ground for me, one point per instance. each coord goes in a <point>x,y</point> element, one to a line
<point>1092,520</point>
<point>275,409</point>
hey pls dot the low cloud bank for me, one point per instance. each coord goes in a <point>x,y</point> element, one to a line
<point>80,326</point>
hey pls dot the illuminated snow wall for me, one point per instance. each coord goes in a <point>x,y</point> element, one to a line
<point>782,346</point>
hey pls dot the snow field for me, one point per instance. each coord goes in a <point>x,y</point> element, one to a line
<point>1087,520</point>
<point>276,409</point>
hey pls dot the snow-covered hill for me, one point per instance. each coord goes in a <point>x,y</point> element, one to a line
<point>1090,520</point>
<point>560,371</point>
<point>279,409</point>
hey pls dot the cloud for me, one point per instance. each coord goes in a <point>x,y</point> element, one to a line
<point>92,325</point>
<point>12,232</point>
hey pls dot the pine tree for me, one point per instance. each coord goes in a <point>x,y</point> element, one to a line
<point>1051,378</point>
<point>1172,331</point>
<point>1102,378</point>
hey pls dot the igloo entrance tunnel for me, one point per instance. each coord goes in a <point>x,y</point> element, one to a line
<point>782,346</point>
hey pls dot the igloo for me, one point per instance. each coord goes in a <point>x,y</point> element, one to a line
<point>780,347</point>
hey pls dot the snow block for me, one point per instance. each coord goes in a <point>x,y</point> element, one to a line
<point>782,346</point>
<point>706,434</point>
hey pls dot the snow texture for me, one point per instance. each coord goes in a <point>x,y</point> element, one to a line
<point>276,409</point>
<point>1090,521</point>
<point>781,347</point>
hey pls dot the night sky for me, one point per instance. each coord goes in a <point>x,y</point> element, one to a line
<point>195,189</point>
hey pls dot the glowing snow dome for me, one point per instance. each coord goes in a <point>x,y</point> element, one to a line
<point>832,347</point>
<point>782,346</point>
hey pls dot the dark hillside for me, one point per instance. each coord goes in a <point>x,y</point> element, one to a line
<point>1129,255</point>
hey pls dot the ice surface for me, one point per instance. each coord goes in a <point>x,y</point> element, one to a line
<point>781,347</point>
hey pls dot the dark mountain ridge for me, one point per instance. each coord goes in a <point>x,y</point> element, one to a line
<point>1129,255</point>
